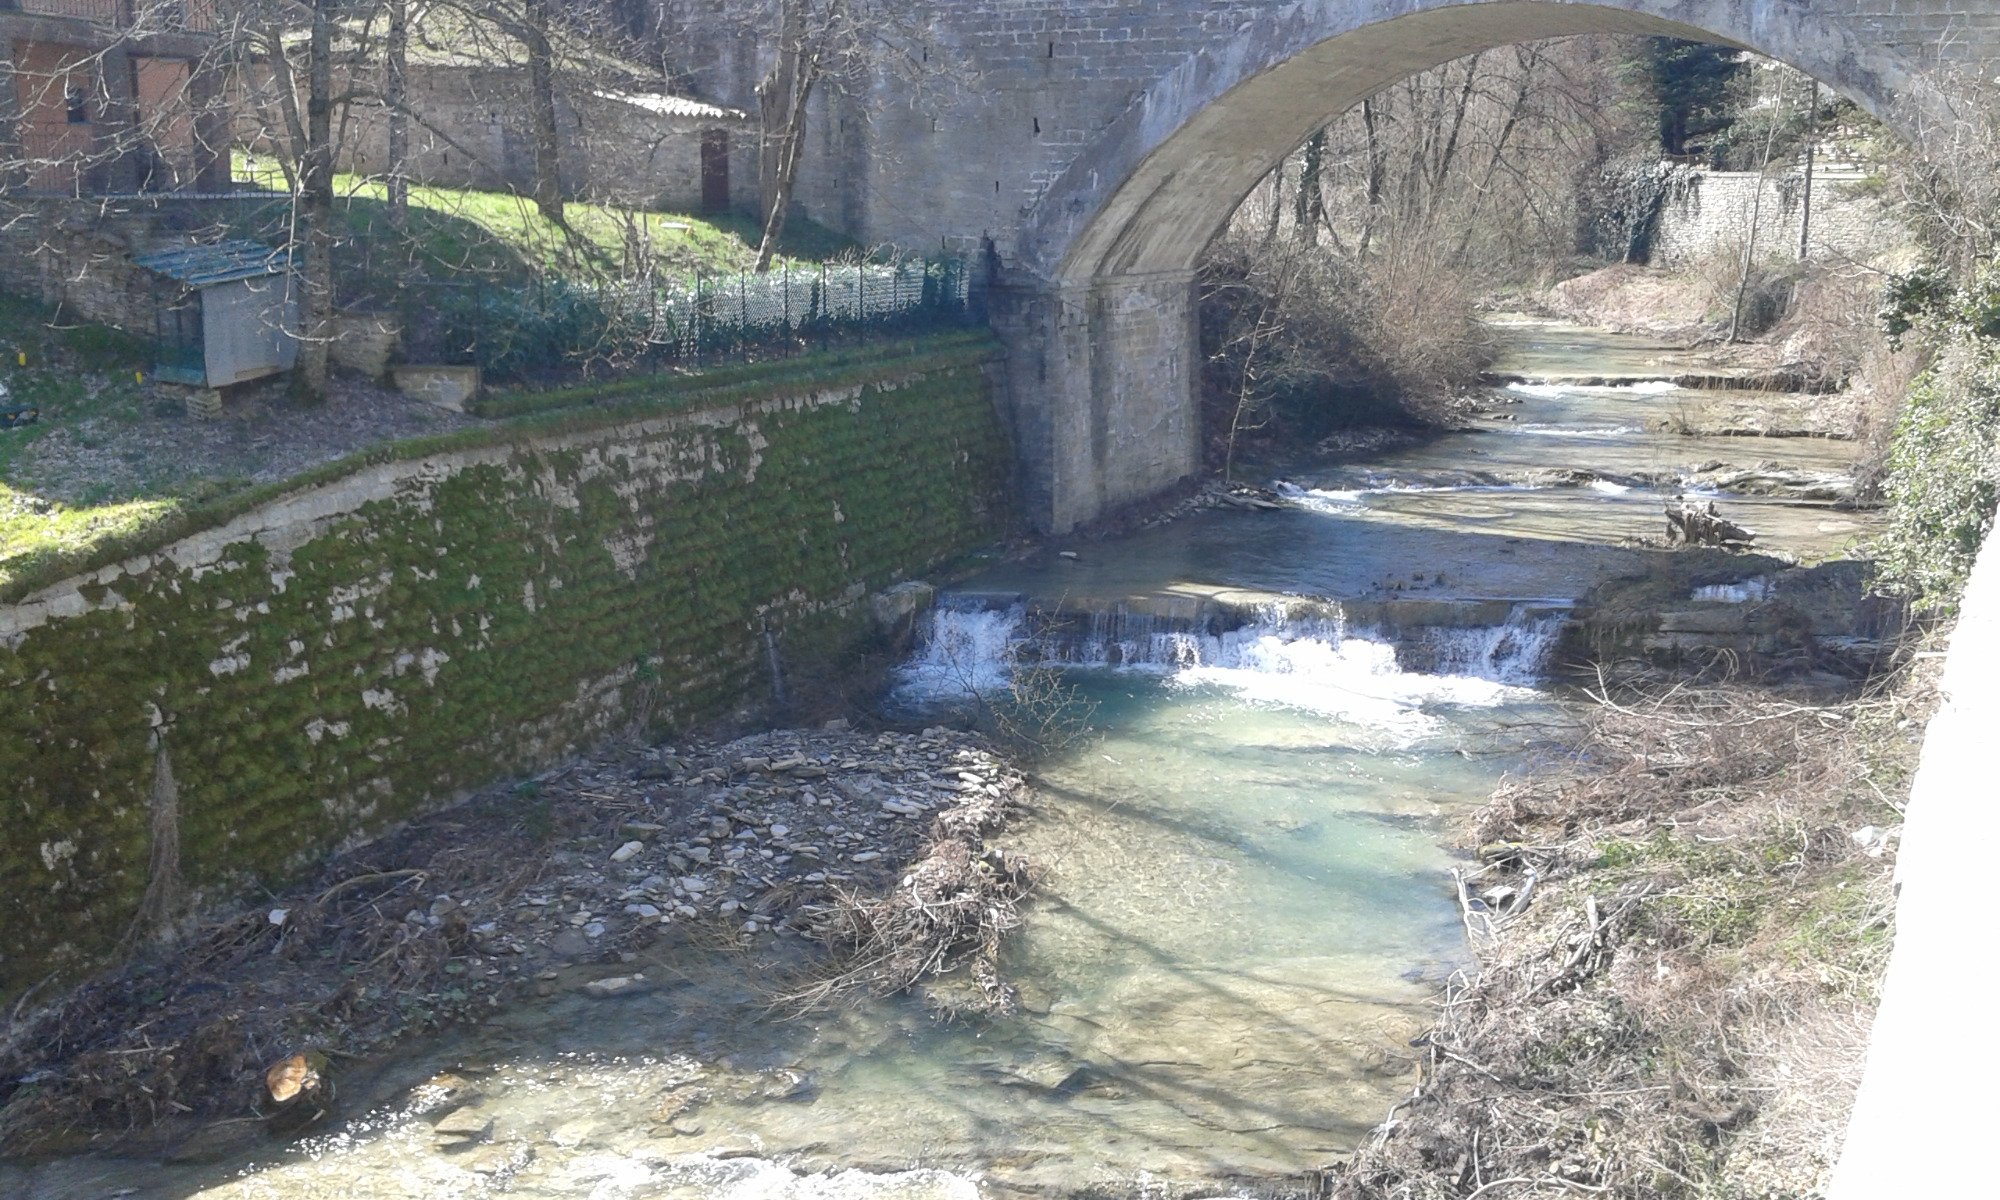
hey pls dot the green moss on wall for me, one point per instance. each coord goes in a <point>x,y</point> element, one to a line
<point>500,609</point>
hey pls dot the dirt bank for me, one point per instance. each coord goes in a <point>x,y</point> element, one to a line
<point>1682,925</point>
<point>784,835</point>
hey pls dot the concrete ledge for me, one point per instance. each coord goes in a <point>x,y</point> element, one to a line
<point>1925,1110</point>
<point>449,388</point>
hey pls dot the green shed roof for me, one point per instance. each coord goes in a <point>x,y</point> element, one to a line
<point>222,262</point>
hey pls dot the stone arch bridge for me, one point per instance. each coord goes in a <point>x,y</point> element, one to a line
<point>1090,149</point>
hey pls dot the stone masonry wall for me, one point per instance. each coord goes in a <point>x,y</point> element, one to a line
<point>473,131</point>
<point>329,664</point>
<point>83,264</point>
<point>1713,215</point>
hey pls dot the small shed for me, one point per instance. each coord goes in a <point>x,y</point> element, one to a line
<point>223,313</point>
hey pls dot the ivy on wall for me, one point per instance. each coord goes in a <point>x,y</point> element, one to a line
<point>501,608</point>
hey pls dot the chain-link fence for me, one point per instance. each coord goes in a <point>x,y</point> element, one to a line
<point>556,325</point>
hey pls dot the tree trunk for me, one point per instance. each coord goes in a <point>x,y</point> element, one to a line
<point>1756,219</point>
<point>1245,381</point>
<point>1309,208</point>
<point>1447,154</point>
<point>1812,151</point>
<point>1276,216</point>
<point>1523,90</point>
<point>542,105</point>
<point>1375,171</point>
<point>774,102</point>
<point>781,102</point>
<point>395,99</point>
<point>315,208</point>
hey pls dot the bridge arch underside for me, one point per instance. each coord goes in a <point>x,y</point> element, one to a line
<point>1099,308</point>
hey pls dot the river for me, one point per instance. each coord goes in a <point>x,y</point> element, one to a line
<point>1243,907</point>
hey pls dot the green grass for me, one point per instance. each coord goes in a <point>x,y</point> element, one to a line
<point>454,231</point>
<point>47,543</point>
<point>85,379</point>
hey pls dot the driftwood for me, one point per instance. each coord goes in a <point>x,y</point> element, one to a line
<point>1692,522</point>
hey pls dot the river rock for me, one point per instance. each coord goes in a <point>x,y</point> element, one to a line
<point>461,1128</point>
<point>615,987</point>
<point>895,608</point>
<point>1043,1073</point>
<point>496,1159</point>
<point>797,1087</point>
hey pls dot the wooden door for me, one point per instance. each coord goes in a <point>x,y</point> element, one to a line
<point>715,170</point>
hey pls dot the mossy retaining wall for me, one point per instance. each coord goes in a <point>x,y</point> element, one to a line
<point>341,658</point>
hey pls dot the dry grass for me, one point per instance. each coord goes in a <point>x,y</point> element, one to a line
<point>1682,938</point>
<point>1635,299</point>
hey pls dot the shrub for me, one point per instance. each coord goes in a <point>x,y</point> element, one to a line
<point>1319,339</point>
<point>1943,476</point>
<point>515,334</point>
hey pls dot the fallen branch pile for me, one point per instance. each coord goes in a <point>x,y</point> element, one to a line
<point>944,919</point>
<point>186,1031</point>
<point>1692,522</point>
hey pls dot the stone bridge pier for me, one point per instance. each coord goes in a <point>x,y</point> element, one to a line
<point>1091,149</point>
<point>1102,377</point>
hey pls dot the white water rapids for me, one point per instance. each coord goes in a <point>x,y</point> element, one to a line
<point>1315,664</point>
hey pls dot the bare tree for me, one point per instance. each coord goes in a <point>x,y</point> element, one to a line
<point>819,47</point>
<point>1310,203</point>
<point>528,21</point>
<point>807,30</point>
<point>1944,177</point>
<point>291,82</point>
<point>1483,154</point>
<point>396,108</point>
<point>1407,208</point>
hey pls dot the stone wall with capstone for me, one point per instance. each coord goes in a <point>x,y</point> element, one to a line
<point>340,658</point>
<point>1714,213</point>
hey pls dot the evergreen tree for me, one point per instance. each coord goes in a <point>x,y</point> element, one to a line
<point>1689,83</point>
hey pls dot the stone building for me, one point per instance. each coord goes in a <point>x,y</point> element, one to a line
<point>109,96</point>
<point>471,128</point>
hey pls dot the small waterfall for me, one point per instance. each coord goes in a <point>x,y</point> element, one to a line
<point>1307,658</point>
<point>1516,653</point>
<point>962,651</point>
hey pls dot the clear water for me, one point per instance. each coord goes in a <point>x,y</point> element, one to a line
<point>1243,911</point>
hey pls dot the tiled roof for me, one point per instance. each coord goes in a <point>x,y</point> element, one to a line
<point>676,106</point>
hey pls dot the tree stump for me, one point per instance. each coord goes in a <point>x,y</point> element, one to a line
<point>1692,522</point>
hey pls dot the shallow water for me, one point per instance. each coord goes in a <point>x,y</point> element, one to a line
<point>1243,907</point>
<point>1241,913</point>
<point>1482,508</point>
